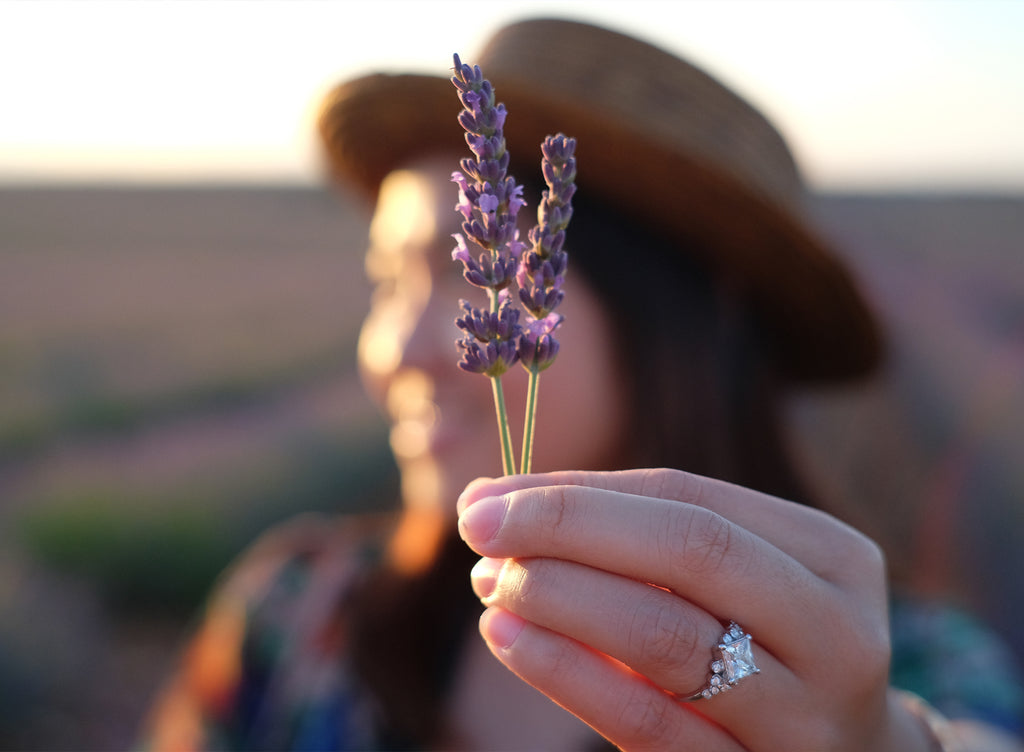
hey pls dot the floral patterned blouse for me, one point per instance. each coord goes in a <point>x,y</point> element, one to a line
<point>268,666</point>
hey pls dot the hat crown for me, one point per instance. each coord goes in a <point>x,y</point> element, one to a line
<point>658,96</point>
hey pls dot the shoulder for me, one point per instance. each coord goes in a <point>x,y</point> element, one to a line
<point>293,551</point>
<point>271,627</point>
<point>287,594</point>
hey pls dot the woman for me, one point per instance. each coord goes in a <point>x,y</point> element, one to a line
<point>696,301</point>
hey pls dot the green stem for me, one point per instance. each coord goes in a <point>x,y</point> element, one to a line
<point>508,461</point>
<point>531,415</point>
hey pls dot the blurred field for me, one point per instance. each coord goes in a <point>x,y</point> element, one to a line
<point>935,447</point>
<point>176,373</point>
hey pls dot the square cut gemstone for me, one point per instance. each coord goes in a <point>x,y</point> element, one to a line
<point>737,659</point>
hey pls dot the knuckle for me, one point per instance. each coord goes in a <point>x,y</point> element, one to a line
<point>662,638</point>
<point>865,626</point>
<point>872,559</point>
<point>856,558</point>
<point>705,544</point>
<point>523,581</point>
<point>564,663</point>
<point>667,483</point>
<point>557,510</point>
<point>645,721</point>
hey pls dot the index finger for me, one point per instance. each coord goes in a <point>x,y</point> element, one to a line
<point>820,542</point>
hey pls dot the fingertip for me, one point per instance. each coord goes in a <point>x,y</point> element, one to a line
<point>484,487</point>
<point>484,576</point>
<point>500,628</point>
<point>473,492</point>
<point>479,524</point>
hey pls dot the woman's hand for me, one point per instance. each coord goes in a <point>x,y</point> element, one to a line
<point>608,592</point>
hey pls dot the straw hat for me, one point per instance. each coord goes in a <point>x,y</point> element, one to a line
<point>657,137</point>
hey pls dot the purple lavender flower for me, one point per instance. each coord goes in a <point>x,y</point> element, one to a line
<point>486,326</point>
<point>488,271</point>
<point>537,352</point>
<point>491,344</point>
<point>489,201</point>
<point>541,272</point>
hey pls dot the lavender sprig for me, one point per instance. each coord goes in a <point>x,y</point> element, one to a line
<point>489,201</point>
<point>541,273</point>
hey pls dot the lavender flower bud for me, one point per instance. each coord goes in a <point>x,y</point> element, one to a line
<point>486,326</point>
<point>537,352</point>
<point>558,151</point>
<point>540,301</point>
<point>492,359</point>
<point>488,198</point>
<point>537,346</point>
<point>546,325</point>
<point>485,271</point>
<point>542,268</point>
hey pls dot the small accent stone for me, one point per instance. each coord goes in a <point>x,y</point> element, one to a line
<point>734,633</point>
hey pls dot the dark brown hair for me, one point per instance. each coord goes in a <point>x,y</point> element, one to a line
<point>703,390</point>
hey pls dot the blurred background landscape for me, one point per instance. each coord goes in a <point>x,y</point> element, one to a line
<point>180,295</point>
<point>176,374</point>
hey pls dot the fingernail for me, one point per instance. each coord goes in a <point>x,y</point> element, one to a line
<point>480,523</point>
<point>500,627</point>
<point>471,494</point>
<point>484,576</point>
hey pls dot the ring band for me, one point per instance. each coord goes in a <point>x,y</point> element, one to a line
<point>734,661</point>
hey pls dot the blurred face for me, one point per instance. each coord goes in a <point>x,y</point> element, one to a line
<point>443,426</point>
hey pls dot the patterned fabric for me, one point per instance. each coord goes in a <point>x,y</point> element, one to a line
<point>947,657</point>
<point>269,665</point>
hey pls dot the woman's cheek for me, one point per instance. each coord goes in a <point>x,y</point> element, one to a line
<point>381,343</point>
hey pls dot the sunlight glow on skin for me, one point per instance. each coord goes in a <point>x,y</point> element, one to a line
<point>402,219</point>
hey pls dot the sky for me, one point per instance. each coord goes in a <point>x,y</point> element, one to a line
<point>871,94</point>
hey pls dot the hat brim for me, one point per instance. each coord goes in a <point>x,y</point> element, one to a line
<point>820,327</point>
